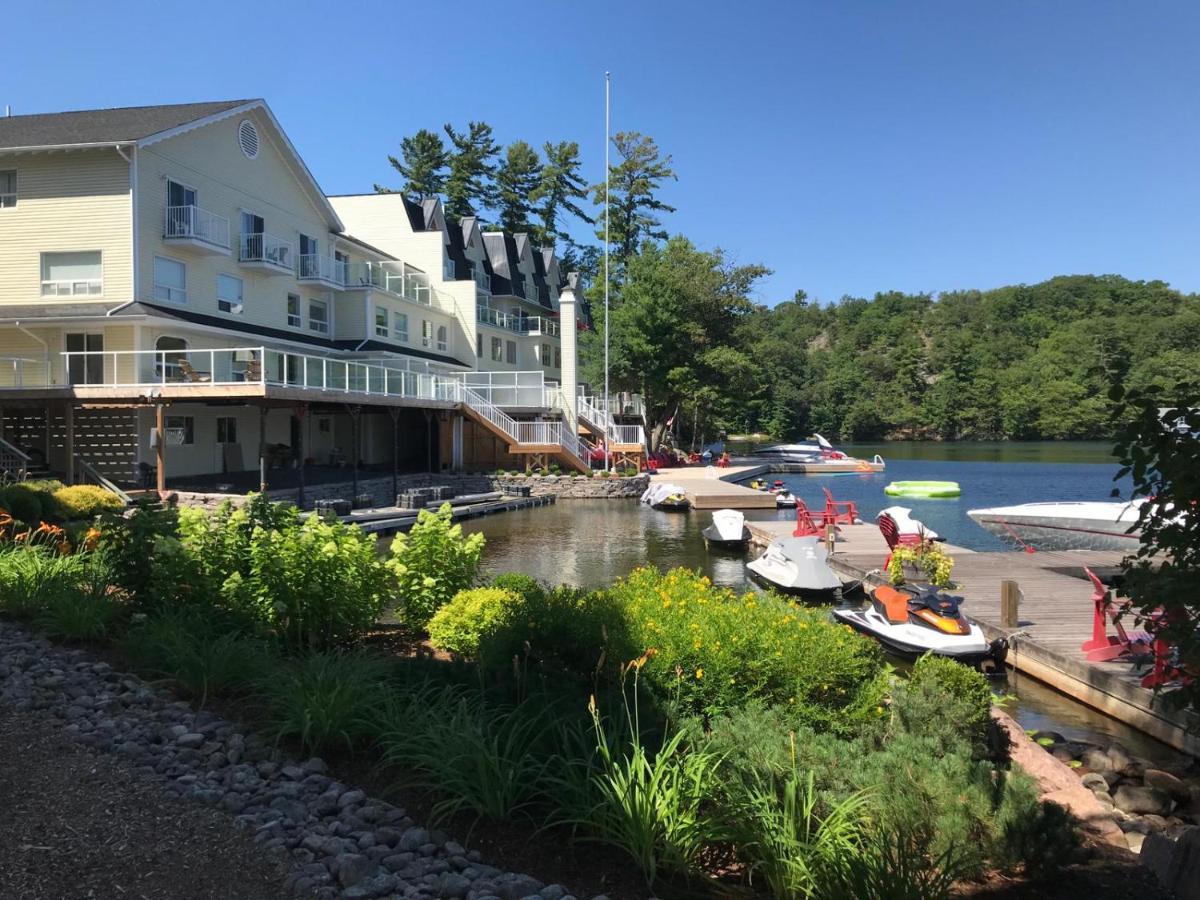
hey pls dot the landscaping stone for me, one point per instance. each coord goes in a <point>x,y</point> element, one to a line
<point>1133,798</point>
<point>1168,783</point>
<point>1096,782</point>
<point>1175,862</point>
<point>339,841</point>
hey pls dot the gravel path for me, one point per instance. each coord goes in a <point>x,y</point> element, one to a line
<point>289,829</point>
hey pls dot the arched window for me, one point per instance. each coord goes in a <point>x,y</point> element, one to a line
<point>170,351</point>
<point>443,341</point>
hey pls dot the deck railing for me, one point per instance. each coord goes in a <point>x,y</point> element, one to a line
<point>263,247</point>
<point>319,267</point>
<point>13,460</point>
<point>194,222</point>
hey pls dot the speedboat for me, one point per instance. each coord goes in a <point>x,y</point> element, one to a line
<point>784,499</point>
<point>795,565</point>
<point>728,529</point>
<point>667,497</point>
<point>1086,525</point>
<point>928,621</point>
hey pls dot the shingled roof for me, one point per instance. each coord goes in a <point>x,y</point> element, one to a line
<point>103,126</point>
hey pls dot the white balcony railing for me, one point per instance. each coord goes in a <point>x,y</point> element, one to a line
<point>199,224</point>
<point>266,248</point>
<point>527,389</point>
<point>400,279</point>
<point>318,267</point>
<point>73,287</point>
<point>483,281</point>
<point>540,325</point>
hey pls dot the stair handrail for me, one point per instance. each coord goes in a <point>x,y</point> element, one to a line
<point>90,474</point>
<point>491,412</point>
<point>13,458</point>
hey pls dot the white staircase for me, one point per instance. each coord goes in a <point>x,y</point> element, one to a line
<point>526,437</point>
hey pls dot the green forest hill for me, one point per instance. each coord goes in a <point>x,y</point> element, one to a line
<point>1017,362</point>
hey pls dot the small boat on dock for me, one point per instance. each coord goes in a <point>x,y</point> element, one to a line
<point>797,565</point>
<point>1086,525</point>
<point>666,497</point>
<point>785,499</point>
<point>727,531</point>
<point>911,624</point>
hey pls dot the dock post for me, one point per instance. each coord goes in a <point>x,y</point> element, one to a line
<point>1010,599</point>
<point>830,537</point>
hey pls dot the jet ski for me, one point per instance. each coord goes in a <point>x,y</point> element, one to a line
<point>784,499</point>
<point>927,620</point>
<point>797,565</point>
<point>728,529</point>
<point>668,497</point>
<point>759,484</point>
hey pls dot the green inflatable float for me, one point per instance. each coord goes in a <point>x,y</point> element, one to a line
<point>922,489</point>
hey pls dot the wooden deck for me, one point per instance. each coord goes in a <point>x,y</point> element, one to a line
<point>390,519</point>
<point>710,487</point>
<point>1055,618</point>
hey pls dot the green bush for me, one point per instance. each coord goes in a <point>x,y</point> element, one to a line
<point>711,649</point>
<point>146,556</point>
<point>459,625</point>
<point>36,578</point>
<point>432,563</point>
<point>83,501</point>
<point>28,504</point>
<point>325,700</point>
<point>945,699</point>
<point>87,610</point>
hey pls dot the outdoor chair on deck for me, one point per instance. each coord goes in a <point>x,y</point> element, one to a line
<point>892,536</point>
<point>805,526</point>
<point>190,373</point>
<point>253,371</point>
<point>1104,647</point>
<point>839,512</point>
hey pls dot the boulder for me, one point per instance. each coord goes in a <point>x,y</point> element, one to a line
<point>1118,758</point>
<point>1168,783</point>
<point>1132,798</point>
<point>1176,863</point>
<point>1095,782</point>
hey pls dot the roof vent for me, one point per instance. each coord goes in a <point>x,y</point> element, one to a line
<point>248,138</point>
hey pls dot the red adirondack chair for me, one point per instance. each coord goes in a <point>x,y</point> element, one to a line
<point>1103,647</point>
<point>892,536</point>
<point>839,512</point>
<point>805,526</point>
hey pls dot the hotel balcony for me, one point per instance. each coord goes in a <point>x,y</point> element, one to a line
<point>266,252</point>
<point>197,229</point>
<point>526,325</point>
<point>400,280</point>
<point>317,268</point>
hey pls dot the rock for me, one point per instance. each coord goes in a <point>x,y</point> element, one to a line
<point>1135,839</point>
<point>515,887</point>
<point>316,766</point>
<point>454,849</point>
<point>190,739</point>
<point>453,886</point>
<point>1132,798</point>
<point>413,838</point>
<point>350,797</point>
<point>1095,782</point>
<point>353,868</point>
<point>1097,760</point>
<point>1176,863</point>
<point>1118,758</point>
<point>1165,781</point>
<point>552,892</point>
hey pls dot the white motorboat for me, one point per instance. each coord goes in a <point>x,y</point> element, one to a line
<point>1086,525</point>
<point>666,496</point>
<point>797,566</point>
<point>728,529</point>
<point>906,525</point>
<point>784,499</point>
<point>928,621</point>
<point>806,451</point>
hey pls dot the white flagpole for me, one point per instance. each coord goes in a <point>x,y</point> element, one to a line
<point>607,141</point>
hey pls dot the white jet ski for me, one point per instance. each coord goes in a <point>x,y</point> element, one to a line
<point>795,565</point>
<point>928,621</point>
<point>728,529</point>
<point>784,499</point>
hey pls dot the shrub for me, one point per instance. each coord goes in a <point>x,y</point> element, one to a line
<point>28,504</point>
<point>202,653</point>
<point>325,700</point>
<point>432,563</point>
<point>933,561</point>
<point>943,698</point>
<point>630,472</point>
<point>459,625</point>
<point>84,501</point>
<point>713,650</point>
<point>146,557</point>
<point>35,578</point>
<point>86,610</point>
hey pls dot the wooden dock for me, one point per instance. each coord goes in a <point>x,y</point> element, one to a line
<point>711,487</point>
<point>1055,616</point>
<point>390,519</point>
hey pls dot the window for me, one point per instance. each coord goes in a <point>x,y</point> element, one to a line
<point>184,424</point>
<point>449,271</point>
<point>530,290</point>
<point>226,430</point>
<point>497,349</point>
<point>85,362</point>
<point>293,311</point>
<point>229,294</point>
<point>381,321</point>
<point>510,352</point>
<point>71,274</point>
<point>8,189</point>
<point>310,264</point>
<point>478,345</point>
<point>166,362</point>
<point>181,211</point>
<point>318,316</point>
<point>443,338</point>
<point>400,327</point>
<point>546,354</point>
<point>426,333</point>
<point>557,358</point>
<point>170,280</point>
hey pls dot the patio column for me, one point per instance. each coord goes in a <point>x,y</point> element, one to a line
<point>262,448</point>
<point>394,412</point>
<point>428,440</point>
<point>160,450</point>
<point>456,442</point>
<point>568,338</point>
<point>355,413</point>
<point>69,440</point>
<point>301,413</point>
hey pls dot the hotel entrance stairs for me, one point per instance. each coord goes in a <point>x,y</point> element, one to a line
<point>531,439</point>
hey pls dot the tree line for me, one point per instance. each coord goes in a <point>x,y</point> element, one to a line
<point>1017,362</point>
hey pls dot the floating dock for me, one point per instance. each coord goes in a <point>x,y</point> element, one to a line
<point>1055,615</point>
<point>390,519</point>
<point>711,487</point>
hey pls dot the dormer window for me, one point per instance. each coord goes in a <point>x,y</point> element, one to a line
<point>449,270</point>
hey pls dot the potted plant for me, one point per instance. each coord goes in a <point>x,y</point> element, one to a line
<point>926,561</point>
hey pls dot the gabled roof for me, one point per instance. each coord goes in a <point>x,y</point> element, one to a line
<point>415,212</point>
<point>123,125</point>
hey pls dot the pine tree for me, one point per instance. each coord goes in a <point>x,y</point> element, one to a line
<point>518,176</point>
<point>560,187</point>
<point>634,182</point>
<point>423,164</point>
<point>468,188</point>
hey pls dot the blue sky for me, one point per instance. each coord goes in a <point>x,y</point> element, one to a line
<point>851,147</point>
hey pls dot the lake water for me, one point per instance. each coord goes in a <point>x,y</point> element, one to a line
<point>591,543</point>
